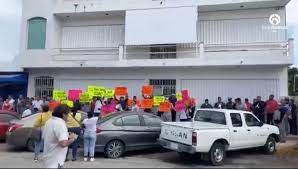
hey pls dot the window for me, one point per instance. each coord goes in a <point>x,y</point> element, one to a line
<point>37,33</point>
<point>164,52</point>
<point>118,122</point>
<point>44,86</point>
<point>236,119</point>
<point>152,121</point>
<point>211,117</point>
<point>132,120</point>
<point>251,120</point>
<point>163,87</point>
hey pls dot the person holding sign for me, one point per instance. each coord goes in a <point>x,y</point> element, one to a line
<point>165,109</point>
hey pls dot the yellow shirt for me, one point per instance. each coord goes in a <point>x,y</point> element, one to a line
<point>41,119</point>
<point>74,121</point>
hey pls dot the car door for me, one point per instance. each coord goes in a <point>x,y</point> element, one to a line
<point>153,128</point>
<point>134,131</point>
<point>239,134</point>
<point>256,132</point>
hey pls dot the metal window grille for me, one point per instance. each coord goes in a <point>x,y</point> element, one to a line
<point>44,86</point>
<point>163,52</point>
<point>163,87</point>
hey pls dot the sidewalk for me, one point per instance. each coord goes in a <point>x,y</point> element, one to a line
<point>289,149</point>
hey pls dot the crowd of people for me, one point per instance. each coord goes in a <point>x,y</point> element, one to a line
<point>68,125</point>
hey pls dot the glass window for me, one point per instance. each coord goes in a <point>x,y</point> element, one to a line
<point>118,122</point>
<point>163,52</point>
<point>6,117</point>
<point>44,86</point>
<point>152,121</point>
<point>251,120</point>
<point>163,87</point>
<point>210,117</point>
<point>37,33</point>
<point>132,120</point>
<point>236,119</point>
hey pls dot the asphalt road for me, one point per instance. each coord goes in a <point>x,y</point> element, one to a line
<point>12,158</point>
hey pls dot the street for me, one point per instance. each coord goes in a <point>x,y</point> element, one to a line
<point>17,158</point>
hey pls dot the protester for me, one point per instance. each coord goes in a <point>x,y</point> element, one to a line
<point>206,105</point>
<point>11,100</point>
<point>89,126</point>
<point>279,120</point>
<point>173,101</point>
<point>37,104</point>
<point>184,115</point>
<point>73,124</point>
<point>259,108</point>
<point>239,105</point>
<point>77,105</point>
<point>271,106</point>
<point>56,138</point>
<point>92,104</point>
<point>248,105</point>
<point>219,104</point>
<point>230,104</point>
<point>7,106</point>
<point>97,108</point>
<point>21,106</point>
<point>293,120</point>
<point>27,112</point>
<point>39,124</point>
<point>135,104</point>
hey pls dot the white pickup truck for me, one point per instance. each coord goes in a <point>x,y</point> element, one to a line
<point>212,132</point>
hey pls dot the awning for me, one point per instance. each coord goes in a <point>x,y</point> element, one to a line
<point>14,78</point>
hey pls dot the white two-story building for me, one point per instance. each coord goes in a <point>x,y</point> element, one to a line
<point>228,48</point>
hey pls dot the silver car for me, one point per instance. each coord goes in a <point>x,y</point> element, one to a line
<point>126,131</point>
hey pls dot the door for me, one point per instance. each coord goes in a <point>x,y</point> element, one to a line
<point>153,129</point>
<point>257,134</point>
<point>134,131</point>
<point>238,132</point>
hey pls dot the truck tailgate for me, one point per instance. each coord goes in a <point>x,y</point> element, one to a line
<point>177,133</point>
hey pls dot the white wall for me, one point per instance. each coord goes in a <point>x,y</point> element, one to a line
<point>266,74</point>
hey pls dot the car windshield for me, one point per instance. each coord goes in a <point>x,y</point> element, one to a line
<point>210,117</point>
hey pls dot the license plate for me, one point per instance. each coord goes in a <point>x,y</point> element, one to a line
<point>174,146</point>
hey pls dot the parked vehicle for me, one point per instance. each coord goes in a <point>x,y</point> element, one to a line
<point>126,131</point>
<point>213,132</point>
<point>5,122</point>
<point>18,135</point>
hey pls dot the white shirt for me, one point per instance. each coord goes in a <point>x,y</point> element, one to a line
<point>11,101</point>
<point>183,115</point>
<point>97,106</point>
<point>37,104</point>
<point>90,124</point>
<point>55,130</point>
<point>26,113</point>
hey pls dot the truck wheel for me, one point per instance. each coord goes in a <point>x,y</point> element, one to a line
<point>114,149</point>
<point>217,154</point>
<point>270,146</point>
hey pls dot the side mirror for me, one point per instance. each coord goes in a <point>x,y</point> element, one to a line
<point>260,124</point>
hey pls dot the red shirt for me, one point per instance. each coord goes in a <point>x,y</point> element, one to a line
<point>271,106</point>
<point>248,106</point>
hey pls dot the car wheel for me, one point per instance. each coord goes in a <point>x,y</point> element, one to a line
<point>114,149</point>
<point>270,146</point>
<point>30,145</point>
<point>217,154</point>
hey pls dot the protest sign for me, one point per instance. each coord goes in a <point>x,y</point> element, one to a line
<point>164,107</point>
<point>147,90</point>
<point>147,103</point>
<point>121,91</point>
<point>106,109</point>
<point>69,103</point>
<point>74,94</point>
<point>109,94</point>
<point>158,100</point>
<point>179,106</point>
<point>179,96</point>
<point>85,98</point>
<point>185,95</point>
<point>54,104</point>
<point>59,95</point>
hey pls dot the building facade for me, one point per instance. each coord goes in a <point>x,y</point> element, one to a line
<point>212,48</point>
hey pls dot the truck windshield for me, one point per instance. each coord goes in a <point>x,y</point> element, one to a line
<point>210,117</point>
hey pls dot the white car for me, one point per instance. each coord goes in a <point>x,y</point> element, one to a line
<point>212,132</point>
